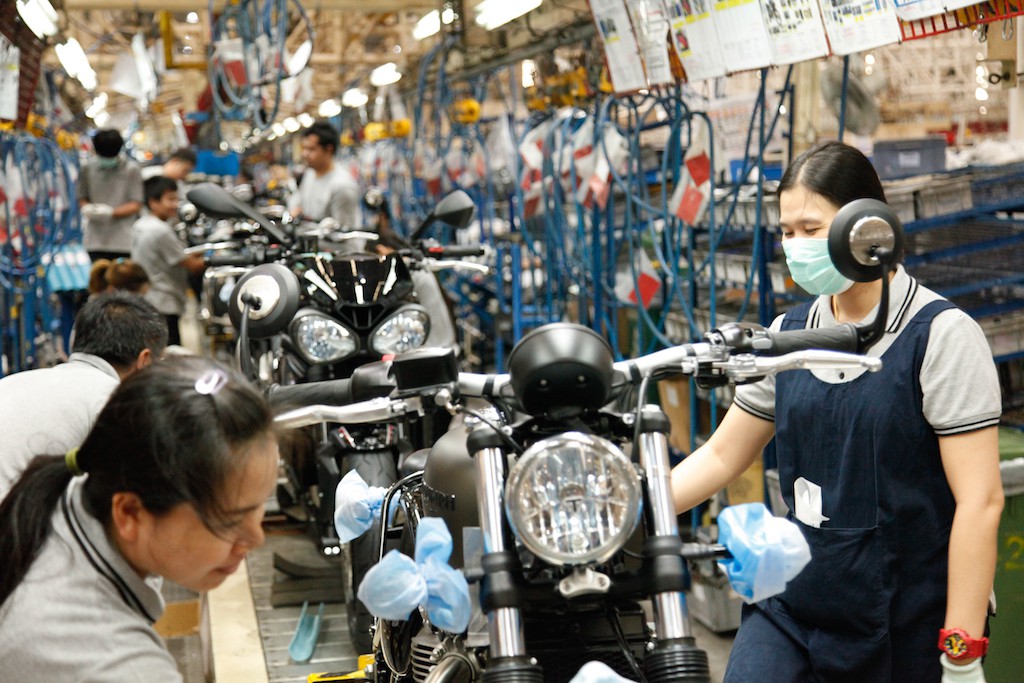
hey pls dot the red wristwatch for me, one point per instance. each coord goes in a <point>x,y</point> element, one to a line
<point>957,644</point>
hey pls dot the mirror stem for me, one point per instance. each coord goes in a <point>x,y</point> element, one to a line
<point>242,351</point>
<point>871,333</point>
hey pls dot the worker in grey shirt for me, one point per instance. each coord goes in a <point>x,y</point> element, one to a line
<point>169,484</point>
<point>50,410</point>
<point>327,190</point>
<point>161,253</point>
<point>110,196</point>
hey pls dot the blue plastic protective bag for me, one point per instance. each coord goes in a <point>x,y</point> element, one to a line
<point>767,551</point>
<point>397,585</point>
<point>356,505</point>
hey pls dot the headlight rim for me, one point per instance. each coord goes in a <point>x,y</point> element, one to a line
<point>404,310</point>
<point>314,313</point>
<point>604,552</point>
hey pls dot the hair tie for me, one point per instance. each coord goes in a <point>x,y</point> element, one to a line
<point>71,462</point>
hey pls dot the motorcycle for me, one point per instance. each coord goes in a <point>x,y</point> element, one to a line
<point>314,309</point>
<point>558,499</point>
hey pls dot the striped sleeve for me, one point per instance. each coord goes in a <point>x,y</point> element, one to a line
<point>958,377</point>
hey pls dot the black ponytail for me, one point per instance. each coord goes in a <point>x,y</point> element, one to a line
<point>25,516</point>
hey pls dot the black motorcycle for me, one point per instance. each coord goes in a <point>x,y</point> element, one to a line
<point>314,310</point>
<point>556,490</point>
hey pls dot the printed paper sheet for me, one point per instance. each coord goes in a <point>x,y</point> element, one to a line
<point>857,25</point>
<point>795,30</point>
<point>695,39</point>
<point>743,34</point>
<point>621,51</point>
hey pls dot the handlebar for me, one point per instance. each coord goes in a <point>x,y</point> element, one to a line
<point>331,392</point>
<point>234,259</point>
<point>456,251</point>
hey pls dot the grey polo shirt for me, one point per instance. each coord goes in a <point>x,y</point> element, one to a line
<point>82,614</point>
<point>114,187</point>
<point>958,376</point>
<point>50,410</point>
<point>335,194</point>
<point>159,250</point>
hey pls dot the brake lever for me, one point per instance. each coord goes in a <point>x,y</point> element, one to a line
<point>434,265</point>
<point>747,366</point>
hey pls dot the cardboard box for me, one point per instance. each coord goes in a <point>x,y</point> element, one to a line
<point>182,628</point>
<point>674,395</point>
<point>749,486</point>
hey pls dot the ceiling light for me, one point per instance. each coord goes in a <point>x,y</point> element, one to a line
<point>98,104</point>
<point>494,13</point>
<point>447,15</point>
<point>39,16</point>
<point>980,94</point>
<point>329,108</point>
<point>385,74</point>
<point>291,124</point>
<point>305,120</point>
<point>192,18</point>
<point>529,67</point>
<point>354,97</point>
<point>101,119</point>
<point>297,62</point>
<point>428,25</point>
<point>278,129</point>
<point>87,77</point>
<point>72,57</point>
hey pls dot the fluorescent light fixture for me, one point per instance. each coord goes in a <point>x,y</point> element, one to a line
<point>430,23</point>
<point>271,137</point>
<point>385,74</point>
<point>980,94</point>
<point>529,67</point>
<point>291,124</point>
<point>494,13</point>
<point>192,18</point>
<point>72,57</point>
<point>278,129</point>
<point>87,77</point>
<point>39,16</point>
<point>98,104</point>
<point>305,120</point>
<point>101,119</point>
<point>329,108</point>
<point>354,97</point>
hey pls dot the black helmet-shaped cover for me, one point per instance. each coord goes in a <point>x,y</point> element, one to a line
<point>561,366</point>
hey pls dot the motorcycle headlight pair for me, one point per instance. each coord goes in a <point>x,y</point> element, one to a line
<point>321,339</point>
<point>573,499</point>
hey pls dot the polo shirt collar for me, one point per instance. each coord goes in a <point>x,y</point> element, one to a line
<point>902,289</point>
<point>142,595</point>
<point>96,362</point>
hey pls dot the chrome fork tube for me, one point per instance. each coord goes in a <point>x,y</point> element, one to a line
<point>504,624</point>
<point>670,614</point>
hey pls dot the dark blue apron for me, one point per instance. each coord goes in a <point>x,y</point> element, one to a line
<point>869,606</point>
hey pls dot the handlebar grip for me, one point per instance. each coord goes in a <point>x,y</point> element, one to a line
<point>232,260</point>
<point>455,252</point>
<point>842,338</point>
<point>335,392</point>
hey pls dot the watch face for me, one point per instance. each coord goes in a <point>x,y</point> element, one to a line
<point>954,645</point>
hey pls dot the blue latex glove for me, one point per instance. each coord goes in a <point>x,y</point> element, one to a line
<point>767,551</point>
<point>397,584</point>
<point>356,505</point>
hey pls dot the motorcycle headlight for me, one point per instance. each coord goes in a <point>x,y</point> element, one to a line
<point>322,340</point>
<point>573,499</point>
<point>404,331</point>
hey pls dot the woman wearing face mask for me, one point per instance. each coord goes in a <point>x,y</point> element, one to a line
<point>893,476</point>
<point>170,482</point>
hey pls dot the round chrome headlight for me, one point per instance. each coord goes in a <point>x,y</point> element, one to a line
<point>404,331</point>
<point>322,340</point>
<point>573,499</point>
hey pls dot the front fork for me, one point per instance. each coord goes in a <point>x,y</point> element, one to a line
<point>501,594</point>
<point>674,655</point>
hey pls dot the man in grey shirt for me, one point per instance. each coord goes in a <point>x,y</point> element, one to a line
<point>110,196</point>
<point>327,190</point>
<point>161,253</point>
<point>50,410</point>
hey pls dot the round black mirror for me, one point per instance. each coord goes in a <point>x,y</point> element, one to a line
<point>278,291</point>
<point>865,240</point>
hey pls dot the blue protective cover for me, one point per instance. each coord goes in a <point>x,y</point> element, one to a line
<point>397,584</point>
<point>767,551</point>
<point>307,631</point>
